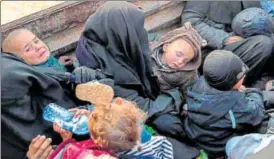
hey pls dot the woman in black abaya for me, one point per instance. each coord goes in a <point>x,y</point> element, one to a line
<point>114,40</point>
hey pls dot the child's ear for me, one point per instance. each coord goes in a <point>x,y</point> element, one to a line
<point>165,47</point>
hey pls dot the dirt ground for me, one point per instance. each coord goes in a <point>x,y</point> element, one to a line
<point>12,10</point>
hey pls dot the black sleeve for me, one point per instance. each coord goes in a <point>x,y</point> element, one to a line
<point>170,100</point>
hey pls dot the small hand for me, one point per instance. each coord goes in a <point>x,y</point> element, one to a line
<point>79,112</point>
<point>233,39</point>
<point>40,147</point>
<point>65,60</point>
<point>64,133</point>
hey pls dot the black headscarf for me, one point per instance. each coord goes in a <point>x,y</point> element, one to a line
<point>114,40</point>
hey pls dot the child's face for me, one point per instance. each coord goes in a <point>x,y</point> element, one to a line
<point>116,126</point>
<point>31,49</point>
<point>177,53</point>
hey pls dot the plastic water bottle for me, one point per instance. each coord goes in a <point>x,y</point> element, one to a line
<point>65,119</point>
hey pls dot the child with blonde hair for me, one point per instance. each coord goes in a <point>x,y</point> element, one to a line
<point>115,129</point>
<point>176,57</point>
<point>33,51</point>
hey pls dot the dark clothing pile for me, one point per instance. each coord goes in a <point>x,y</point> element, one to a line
<point>213,19</point>
<point>214,116</point>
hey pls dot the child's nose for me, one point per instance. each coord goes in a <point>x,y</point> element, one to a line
<point>38,47</point>
<point>180,61</point>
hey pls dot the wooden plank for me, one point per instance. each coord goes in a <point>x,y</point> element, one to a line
<point>66,40</point>
<point>164,18</point>
<point>52,20</point>
<point>61,26</point>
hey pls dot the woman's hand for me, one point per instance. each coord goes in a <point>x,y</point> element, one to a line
<point>79,112</point>
<point>65,60</point>
<point>39,148</point>
<point>233,39</point>
<point>64,133</point>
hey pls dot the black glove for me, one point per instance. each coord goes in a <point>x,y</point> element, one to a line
<point>84,74</point>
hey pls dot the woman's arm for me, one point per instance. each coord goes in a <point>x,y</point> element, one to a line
<point>169,100</point>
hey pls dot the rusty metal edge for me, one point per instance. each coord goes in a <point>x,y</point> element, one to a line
<point>31,20</point>
<point>38,15</point>
<point>59,8</point>
<point>70,47</point>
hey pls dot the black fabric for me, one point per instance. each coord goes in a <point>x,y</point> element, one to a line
<point>24,93</point>
<point>254,51</point>
<point>208,121</point>
<point>183,150</point>
<point>168,101</point>
<point>261,82</point>
<point>122,52</point>
<point>223,79</point>
<point>213,19</point>
<point>253,21</point>
<point>116,41</point>
<point>84,74</point>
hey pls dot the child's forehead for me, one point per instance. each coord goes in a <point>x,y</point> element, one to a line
<point>24,38</point>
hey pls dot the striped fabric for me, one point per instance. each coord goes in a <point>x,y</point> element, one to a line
<point>157,148</point>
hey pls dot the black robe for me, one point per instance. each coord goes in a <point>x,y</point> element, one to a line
<point>24,93</point>
<point>115,41</point>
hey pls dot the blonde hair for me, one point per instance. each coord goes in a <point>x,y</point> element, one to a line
<point>116,125</point>
<point>8,44</point>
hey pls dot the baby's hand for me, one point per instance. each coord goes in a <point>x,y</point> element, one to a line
<point>64,133</point>
<point>79,112</point>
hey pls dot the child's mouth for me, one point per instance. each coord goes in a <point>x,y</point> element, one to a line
<point>43,53</point>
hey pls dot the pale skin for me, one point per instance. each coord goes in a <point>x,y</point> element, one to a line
<point>40,147</point>
<point>233,39</point>
<point>177,53</point>
<point>239,85</point>
<point>30,48</point>
<point>66,135</point>
<point>27,46</point>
